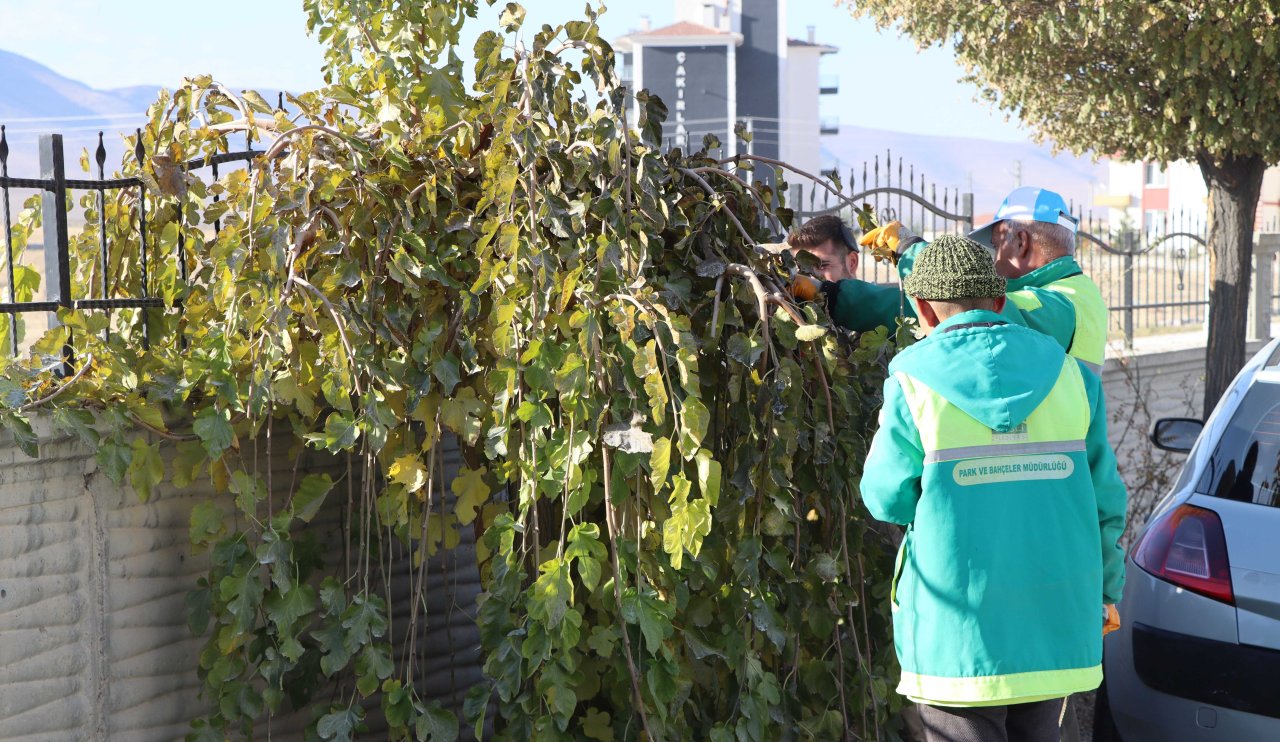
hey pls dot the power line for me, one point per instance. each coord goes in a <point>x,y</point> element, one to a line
<point>61,130</point>
<point>83,117</point>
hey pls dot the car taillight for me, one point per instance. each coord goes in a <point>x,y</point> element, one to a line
<point>1187,547</point>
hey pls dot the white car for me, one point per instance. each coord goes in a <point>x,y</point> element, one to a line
<point>1197,656</point>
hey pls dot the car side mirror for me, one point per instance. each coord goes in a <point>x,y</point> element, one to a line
<point>1177,434</point>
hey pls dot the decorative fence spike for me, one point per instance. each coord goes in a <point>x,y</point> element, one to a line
<point>100,156</point>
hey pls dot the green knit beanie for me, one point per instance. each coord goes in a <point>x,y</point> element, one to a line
<point>953,267</point>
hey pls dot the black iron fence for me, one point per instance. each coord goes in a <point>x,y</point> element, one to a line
<point>895,191</point>
<point>131,286</point>
<point>1153,281</point>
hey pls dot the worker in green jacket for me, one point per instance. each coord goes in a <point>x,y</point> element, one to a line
<point>1033,237</point>
<point>992,451</point>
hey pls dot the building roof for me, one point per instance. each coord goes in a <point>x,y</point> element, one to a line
<point>822,48</point>
<point>682,33</point>
<point>683,28</point>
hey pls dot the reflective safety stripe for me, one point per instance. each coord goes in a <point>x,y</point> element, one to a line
<point>989,689</point>
<point>1002,449</point>
<point>943,426</point>
<point>1024,300</point>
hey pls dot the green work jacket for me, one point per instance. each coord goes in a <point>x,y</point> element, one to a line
<point>992,451</point>
<point>1056,299</point>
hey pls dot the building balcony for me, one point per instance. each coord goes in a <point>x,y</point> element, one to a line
<point>828,84</point>
<point>1115,200</point>
<point>829,125</point>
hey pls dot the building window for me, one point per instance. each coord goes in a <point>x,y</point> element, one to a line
<point>1153,175</point>
<point>1153,222</point>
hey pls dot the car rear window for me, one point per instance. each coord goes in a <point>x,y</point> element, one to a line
<point>1245,465</point>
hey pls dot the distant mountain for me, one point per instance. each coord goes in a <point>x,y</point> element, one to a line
<point>986,168</point>
<point>35,100</point>
<point>138,96</point>
<point>28,89</point>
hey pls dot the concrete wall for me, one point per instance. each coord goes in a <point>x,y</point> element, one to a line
<point>94,643</point>
<point>1156,385</point>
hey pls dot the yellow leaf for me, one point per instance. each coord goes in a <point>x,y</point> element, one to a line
<point>220,475</point>
<point>409,471</point>
<point>451,536</point>
<point>660,463</point>
<point>708,476</point>
<point>806,333</point>
<point>442,528</point>
<point>146,412</point>
<point>435,532</point>
<point>470,489</point>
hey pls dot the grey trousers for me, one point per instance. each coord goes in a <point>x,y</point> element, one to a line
<point>1019,722</point>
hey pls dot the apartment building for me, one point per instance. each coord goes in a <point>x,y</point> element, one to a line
<point>1150,196</point>
<point>724,62</point>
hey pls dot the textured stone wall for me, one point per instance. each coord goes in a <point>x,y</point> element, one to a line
<point>94,643</point>
<point>1154,385</point>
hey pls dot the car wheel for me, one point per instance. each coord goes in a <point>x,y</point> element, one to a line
<point>1104,726</point>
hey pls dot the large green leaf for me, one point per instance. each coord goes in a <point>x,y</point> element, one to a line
<point>213,426</point>
<point>310,495</point>
<point>551,593</point>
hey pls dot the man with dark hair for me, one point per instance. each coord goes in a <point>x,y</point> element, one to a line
<point>992,451</point>
<point>831,242</point>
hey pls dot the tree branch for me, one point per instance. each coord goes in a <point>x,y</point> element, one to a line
<point>762,304</point>
<point>737,160</point>
<point>54,394</point>
<point>746,237</point>
<point>342,331</point>
<point>798,318</point>
<point>746,187</point>
<point>278,145</point>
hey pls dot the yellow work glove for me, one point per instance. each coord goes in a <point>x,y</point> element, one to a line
<point>805,288</point>
<point>1112,620</point>
<point>886,237</point>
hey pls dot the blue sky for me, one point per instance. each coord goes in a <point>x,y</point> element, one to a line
<point>884,82</point>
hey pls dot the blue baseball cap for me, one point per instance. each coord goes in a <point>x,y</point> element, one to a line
<point>1028,204</point>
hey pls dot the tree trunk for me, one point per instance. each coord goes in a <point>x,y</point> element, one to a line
<point>1234,184</point>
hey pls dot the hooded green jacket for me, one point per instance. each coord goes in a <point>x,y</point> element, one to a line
<point>1056,299</point>
<point>992,450</point>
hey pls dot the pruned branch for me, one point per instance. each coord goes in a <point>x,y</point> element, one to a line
<point>762,304</point>
<point>88,361</point>
<point>798,318</point>
<point>746,236</point>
